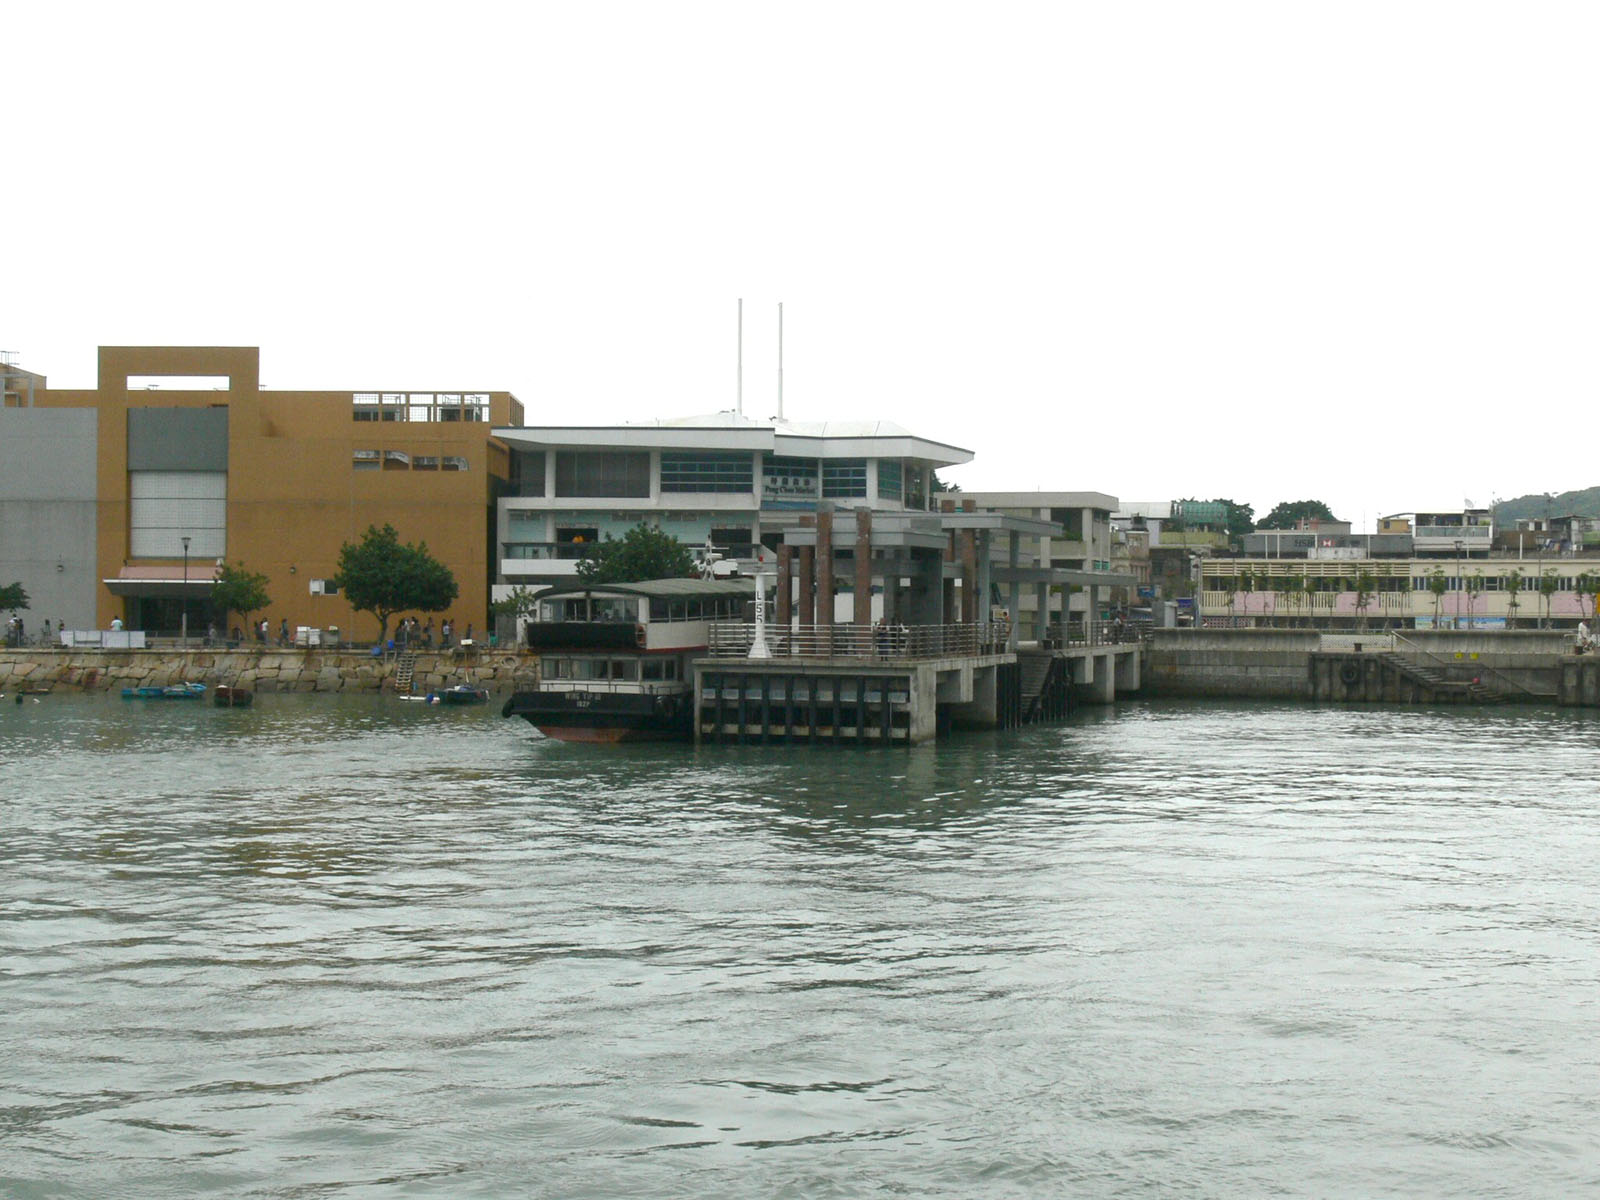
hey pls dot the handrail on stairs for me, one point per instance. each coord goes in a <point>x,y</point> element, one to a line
<point>1444,662</point>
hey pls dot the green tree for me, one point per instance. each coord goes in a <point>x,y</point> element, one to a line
<point>1288,513</point>
<point>13,598</point>
<point>1438,585</point>
<point>1241,520</point>
<point>1248,582</point>
<point>641,553</point>
<point>1474,584</point>
<point>1549,585</point>
<point>1588,586</point>
<point>1366,585</point>
<point>520,602</point>
<point>239,591</point>
<point>1513,589</point>
<point>1298,590</point>
<point>382,576</point>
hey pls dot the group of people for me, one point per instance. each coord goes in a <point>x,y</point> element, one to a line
<point>17,633</point>
<point>411,632</point>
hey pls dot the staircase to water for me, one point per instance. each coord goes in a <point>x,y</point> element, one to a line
<point>404,668</point>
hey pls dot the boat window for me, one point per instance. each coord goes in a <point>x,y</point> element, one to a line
<point>658,609</point>
<point>653,668</point>
<point>676,608</point>
<point>694,610</point>
<point>624,668</point>
<point>615,608</point>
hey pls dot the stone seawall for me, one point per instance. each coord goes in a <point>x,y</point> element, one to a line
<point>262,671</point>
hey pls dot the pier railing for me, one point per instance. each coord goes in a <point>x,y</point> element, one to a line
<point>733,639</point>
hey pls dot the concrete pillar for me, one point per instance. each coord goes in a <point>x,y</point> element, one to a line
<point>1014,595</point>
<point>863,579</point>
<point>1041,599</point>
<point>807,601</point>
<point>1091,614</point>
<point>968,550</point>
<point>1104,684</point>
<point>824,611</point>
<point>1128,671</point>
<point>985,576</point>
<point>785,612</point>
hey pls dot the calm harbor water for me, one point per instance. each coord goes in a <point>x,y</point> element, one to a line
<point>347,947</point>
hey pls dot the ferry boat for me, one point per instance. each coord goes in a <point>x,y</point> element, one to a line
<point>614,658</point>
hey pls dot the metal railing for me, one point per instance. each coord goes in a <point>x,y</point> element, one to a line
<point>733,639</point>
<point>1483,668</point>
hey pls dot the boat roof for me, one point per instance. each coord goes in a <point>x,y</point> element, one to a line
<point>662,588</point>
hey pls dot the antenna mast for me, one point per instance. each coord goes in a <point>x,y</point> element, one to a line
<point>780,360</point>
<point>739,394</point>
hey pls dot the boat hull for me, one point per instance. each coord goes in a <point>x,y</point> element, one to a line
<point>232,697</point>
<point>607,717</point>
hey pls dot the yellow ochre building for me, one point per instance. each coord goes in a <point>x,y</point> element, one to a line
<point>119,501</point>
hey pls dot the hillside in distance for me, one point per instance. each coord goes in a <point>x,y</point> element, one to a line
<point>1585,503</point>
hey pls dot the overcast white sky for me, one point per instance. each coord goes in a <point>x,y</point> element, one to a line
<point>1260,250</point>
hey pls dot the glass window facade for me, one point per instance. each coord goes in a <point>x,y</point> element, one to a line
<point>599,473</point>
<point>706,472</point>
<point>844,479</point>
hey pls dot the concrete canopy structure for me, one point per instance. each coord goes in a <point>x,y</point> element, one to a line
<point>719,479</point>
<point>178,459</point>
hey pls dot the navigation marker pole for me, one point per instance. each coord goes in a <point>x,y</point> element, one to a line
<point>758,645</point>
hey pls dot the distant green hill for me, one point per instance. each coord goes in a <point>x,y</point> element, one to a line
<point>1579,504</point>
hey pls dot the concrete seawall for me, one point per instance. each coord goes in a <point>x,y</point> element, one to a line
<point>1275,664</point>
<point>261,671</point>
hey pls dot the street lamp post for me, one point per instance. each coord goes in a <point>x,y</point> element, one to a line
<point>184,596</point>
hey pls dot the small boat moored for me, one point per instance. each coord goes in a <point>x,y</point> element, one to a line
<point>175,691</point>
<point>230,696</point>
<point>461,693</point>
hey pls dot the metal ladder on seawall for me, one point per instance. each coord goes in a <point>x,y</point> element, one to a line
<point>404,666</point>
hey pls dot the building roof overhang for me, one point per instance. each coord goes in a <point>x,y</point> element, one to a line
<point>839,439</point>
<point>162,581</point>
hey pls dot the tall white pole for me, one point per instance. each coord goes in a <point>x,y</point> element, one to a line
<point>739,398</point>
<point>758,644</point>
<point>780,360</point>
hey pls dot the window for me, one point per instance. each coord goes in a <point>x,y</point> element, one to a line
<point>396,460</point>
<point>452,462</point>
<point>706,473</point>
<point>366,460</point>
<point>324,587</point>
<point>844,479</point>
<point>602,473</point>
<point>425,462</point>
<point>891,480</point>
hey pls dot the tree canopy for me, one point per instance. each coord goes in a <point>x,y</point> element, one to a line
<point>13,597</point>
<point>239,591</point>
<point>382,576</point>
<point>641,553</point>
<point>1289,513</point>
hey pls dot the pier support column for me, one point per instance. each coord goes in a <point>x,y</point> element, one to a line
<point>1128,671</point>
<point>1014,591</point>
<point>1041,621</point>
<point>863,564</point>
<point>807,599</point>
<point>1104,689</point>
<point>785,611</point>
<point>824,609</point>
<point>968,553</point>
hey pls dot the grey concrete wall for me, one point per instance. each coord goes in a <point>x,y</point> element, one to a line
<point>1275,664</point>
<point>48,510</point>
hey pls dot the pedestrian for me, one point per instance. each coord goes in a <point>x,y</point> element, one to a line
<point>283,631</point>
<point>261,632</point>
<point>116,624</point>
<point>45,640</point>
<point>444,634</point>
<point>427,635</point>
<point>211,632</point>
<point>467,637</point>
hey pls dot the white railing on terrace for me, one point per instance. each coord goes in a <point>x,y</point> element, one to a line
<point>733,639</point>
